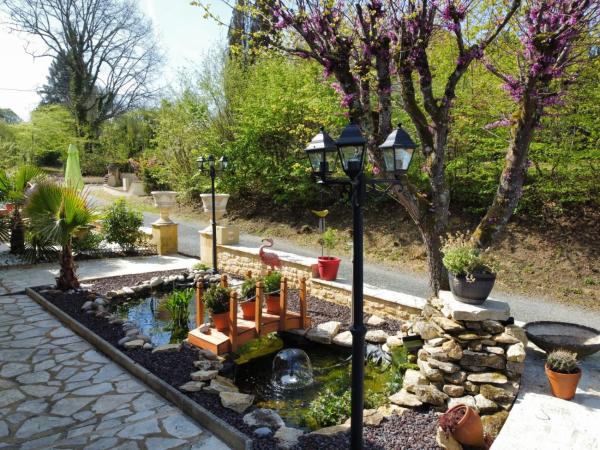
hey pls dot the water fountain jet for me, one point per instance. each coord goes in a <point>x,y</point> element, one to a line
<point>292,369</point>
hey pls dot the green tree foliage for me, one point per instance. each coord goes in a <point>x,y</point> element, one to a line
<point>122,225</point>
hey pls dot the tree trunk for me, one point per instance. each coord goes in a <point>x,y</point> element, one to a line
<point>438,275</point>
<point>510,188</point>
<point>67,278</point>
<point>17,232</point>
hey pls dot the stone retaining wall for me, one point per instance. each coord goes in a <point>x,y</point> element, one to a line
<point>239,260</point>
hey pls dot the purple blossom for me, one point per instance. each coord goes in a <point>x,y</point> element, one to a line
<point>498,124</point>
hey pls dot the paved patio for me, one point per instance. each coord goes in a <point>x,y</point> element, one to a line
<point>56,391</point>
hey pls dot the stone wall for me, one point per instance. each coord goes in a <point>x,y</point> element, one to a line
<point>472,355</point>
<point>239,260</point>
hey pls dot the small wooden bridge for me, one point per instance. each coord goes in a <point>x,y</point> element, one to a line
<point>241,330</point>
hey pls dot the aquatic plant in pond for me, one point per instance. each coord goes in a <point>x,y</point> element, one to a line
<point>177,305</point>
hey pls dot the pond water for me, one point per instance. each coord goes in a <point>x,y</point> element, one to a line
<point>331,371</point>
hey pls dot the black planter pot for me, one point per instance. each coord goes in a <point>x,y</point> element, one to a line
<point>472,292</point>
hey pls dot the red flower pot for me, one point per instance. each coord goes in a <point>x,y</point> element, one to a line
<point>248,309</point>
<point>273,303</point>
<point>221,321</point>
<point>469,430</point>
<point>328,267</point>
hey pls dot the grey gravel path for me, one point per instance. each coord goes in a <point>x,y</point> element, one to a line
<point>56,391</point>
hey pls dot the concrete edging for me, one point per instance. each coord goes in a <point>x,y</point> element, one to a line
<point>205,418</point>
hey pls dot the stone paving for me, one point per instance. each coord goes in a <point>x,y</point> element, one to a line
<point>56,391</point>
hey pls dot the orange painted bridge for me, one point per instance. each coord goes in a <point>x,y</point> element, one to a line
<point>240,330</point>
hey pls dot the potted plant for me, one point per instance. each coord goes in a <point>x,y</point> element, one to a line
<point>470,274</point>
<point>563,373</point>
<point>216,301</point>
<point>328,265</point>
<point>249,298</point>
<point>272,288</point>
<point>464,424</point>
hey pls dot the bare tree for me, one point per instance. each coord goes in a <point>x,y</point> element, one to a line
<point>108,48</point>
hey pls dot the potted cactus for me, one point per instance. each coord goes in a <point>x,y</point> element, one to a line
<point>216,301</point>
<point>470,274</point>
<point>249,298</point>
<point>328,265</point>
<point>563,373</point>
<point>272,288</point>
<point>464,424</point>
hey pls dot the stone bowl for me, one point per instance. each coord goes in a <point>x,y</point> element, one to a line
<point>551,336</point>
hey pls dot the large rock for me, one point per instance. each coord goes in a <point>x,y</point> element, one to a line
<point>287,437</point>
<point>430,394</point>
<point>456,378</point>
<point>372,417</point>
<point>324,332</point>
<point>236,401</point>
<point>495,350</point>
<point>453,390</point>
<point>492,326</point>
<point>427,330</point>
<point>446,441</point>
<point>446,367</point>
<point>489,310</point>
<point>343,339</point>
<point>429,372</point>
<point>504,393</point>
<point>505,338</point>
<point>135,343</point>
<point>485,405</point>
<point>448,325</point>
<point>376,336</point>
<point>516,353</point>
<point>488,377</point>
<point>514,369</point>
<point>413,378</point>
<point>404,398</point>
<point>333,430</point>
<point>264,417</point>
<point>221,384</point>
<point>468,400</point>
<point>192,386</point>
<point>394,341</point>
<point>480,359</point>
<point>204,375</point>
<point>517,332</point>
<point>452,349</point>
<point>434,352</point>
<point>492,424</point>
<point>375,321</point>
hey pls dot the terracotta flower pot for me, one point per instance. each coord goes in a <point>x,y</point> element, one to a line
<point>273,303</point>
<point>221,321</point>
<point>248,309</point>
<point>563,385</point>
<point>328,267</point>
<point>469,430</point>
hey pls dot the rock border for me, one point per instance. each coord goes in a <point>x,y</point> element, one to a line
<point>205,418</point>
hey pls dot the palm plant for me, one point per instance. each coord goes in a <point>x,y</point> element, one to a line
<point>13,189</point>
<point>59,212</point>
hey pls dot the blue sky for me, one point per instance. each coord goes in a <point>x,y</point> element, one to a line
<point>182,32</point>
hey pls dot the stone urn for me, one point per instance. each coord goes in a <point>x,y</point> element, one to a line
<point>220,204</point>
<point>165,201</point>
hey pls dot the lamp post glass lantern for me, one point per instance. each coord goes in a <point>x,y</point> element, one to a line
<point>397,151</point>
<point>351,149</point>
<point>322,154</point>
<point>214,166</point>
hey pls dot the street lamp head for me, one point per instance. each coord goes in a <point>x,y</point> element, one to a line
<point>322,154</point>
<point>224,162</point>
<point>211,161</point>
<point>397,151</point>
<point>351,148</point>
<point>200,161</point>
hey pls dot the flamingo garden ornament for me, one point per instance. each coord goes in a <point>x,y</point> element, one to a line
<point>269,259</point>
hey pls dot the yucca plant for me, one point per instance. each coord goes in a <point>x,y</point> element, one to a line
<point>13,189</point>
<point>562,361</point>
<point>59,212</point>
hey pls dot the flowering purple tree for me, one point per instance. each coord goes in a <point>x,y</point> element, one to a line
<point>553,36</point>
<point>368,45</point>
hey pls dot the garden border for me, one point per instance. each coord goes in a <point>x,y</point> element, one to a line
<point>201,415</point>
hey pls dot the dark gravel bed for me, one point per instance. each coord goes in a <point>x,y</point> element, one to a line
<point>412,431</point>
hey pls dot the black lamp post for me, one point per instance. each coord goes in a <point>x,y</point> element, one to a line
<point>351,148</point>
<point>214,166</point>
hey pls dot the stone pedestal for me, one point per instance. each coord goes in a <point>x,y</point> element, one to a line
<point>164,236</point>
<point>226,235</point>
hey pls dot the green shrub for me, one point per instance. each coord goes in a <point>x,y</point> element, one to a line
<point>328,409</point>
<point>87,242</point>
<point>122,226</point>
<point>249,288</point>
<point>562,361</point>
<point>216,299</point>
<point>462,258</point>
<point>329,238</point>
<point>272,282</point>
<point>200,266</point>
